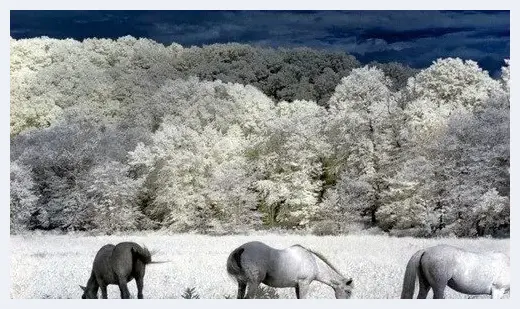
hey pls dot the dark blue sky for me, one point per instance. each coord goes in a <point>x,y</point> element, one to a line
<point>412,37</point>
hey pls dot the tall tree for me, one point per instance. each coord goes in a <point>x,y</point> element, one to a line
<point>288,160</point>
<point>445,98</point>
<point>361,109</point>
<point>189,175</point>
<point>23,197</point>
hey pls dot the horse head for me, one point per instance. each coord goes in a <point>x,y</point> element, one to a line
<point>87,293</point>
<point>343,288</point>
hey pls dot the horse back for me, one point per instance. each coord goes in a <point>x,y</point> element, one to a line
<point>448,259</point>
<point>304,262</point>
<point>103,255</point>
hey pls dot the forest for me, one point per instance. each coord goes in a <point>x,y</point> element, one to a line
<point>129,134</point>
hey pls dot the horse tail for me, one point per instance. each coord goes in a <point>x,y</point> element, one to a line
<point>234,264</point>
<point>411,274</point>
<point>142,253</point>
<point>159,262</point>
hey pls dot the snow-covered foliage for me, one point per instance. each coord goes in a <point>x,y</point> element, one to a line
<point>362,108</point>
<point>228,137</point>
<point>288,161</point>
<point>195,178</point>
<point>23,196</point>
<point>113,196</point>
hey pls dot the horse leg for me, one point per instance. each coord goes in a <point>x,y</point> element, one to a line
<point>139,270</point>
<point>438,292</point>
<point>423,291</point>
<point>123,287</point>
<point>496,293</point>
<point>301,290</point>
<point>104,293</point>
<point>241,289</point>
<point>139,283</point>
<point>255,276</point>
<point>424,286</point>
<point>251,289</point>
<point>434,277</point>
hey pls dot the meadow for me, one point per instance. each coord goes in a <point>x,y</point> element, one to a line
<point>53,266</point>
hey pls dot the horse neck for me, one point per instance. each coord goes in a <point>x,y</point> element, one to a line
<point>326,274</point>
<point>92,284</point>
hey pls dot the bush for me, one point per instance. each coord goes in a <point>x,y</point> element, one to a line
<point>189,293</point>
<point>325,227</point>
<point>410,232</point>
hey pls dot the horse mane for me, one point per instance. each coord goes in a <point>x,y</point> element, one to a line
<point>324,259</point>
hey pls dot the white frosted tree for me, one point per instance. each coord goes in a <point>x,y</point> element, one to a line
<point>408,205</point>
<point>28,109</point>
<point>61,158</point>
<point>448,86</point>
<point>288,161</point>
<point>491,212</point>
<point>451,112</point>
<point>111,77</point>
<point>190,174</point>
<point>112,197</point>
<point>360,129</point>
<point>48,75</point>
<point>453,82</point>
<point>23,197</point>
<point>197,103</point>
<point>475,156</point>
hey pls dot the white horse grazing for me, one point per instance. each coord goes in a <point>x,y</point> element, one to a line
<point>255,262</point>
<point>464,271</point>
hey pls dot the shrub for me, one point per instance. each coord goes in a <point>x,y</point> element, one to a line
<point>325,227</point>
<point>189,293</point>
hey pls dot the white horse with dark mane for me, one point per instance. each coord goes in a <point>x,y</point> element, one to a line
<point>255,262</point>
<point>464,271</point>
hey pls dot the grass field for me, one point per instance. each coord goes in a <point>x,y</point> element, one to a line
<point>51,266</point>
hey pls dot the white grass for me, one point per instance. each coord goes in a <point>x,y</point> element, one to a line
<point>44,266</point>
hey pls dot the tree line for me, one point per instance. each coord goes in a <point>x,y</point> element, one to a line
<point>129,134</point>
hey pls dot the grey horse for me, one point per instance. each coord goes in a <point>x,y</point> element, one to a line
<point>118,265</point>
<point>464,271</point>
<point>255,262</point>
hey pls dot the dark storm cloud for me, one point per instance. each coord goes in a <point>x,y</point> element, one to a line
<point>413,37</point>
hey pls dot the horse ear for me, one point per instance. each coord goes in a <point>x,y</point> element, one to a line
<point>349,281</point>
<point>83,288</point>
